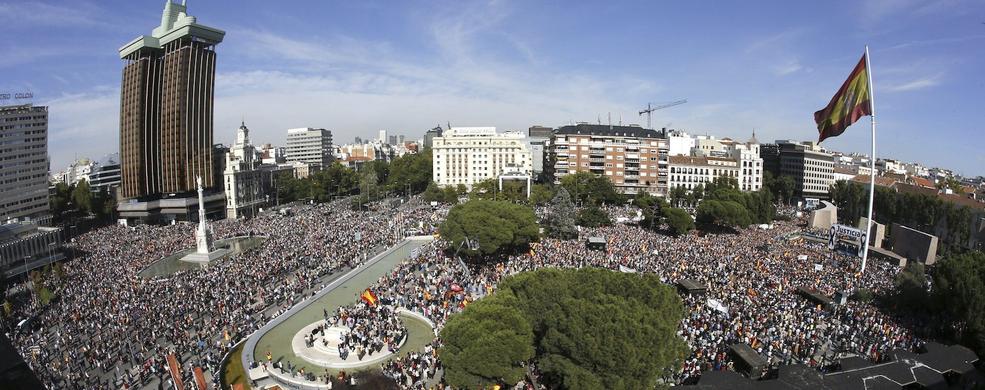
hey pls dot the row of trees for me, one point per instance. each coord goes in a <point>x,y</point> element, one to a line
<point>925,212</point>
<point>408,174</point>
<point>584,329</point>
<point>78,200</point>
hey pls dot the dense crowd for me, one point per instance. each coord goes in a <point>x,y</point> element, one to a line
<point>113,328</point>
<point>369,329</point>
<point>752,279</point>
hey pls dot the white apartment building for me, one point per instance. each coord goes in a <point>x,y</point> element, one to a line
<point>689,172</point>
<point>891,166</point>
<point>750,163</point>
<point>468,155</point>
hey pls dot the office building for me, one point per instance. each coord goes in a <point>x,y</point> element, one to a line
<point>430,135</point>
<point>810,166</point>
<point>468,155</point>
<point>309,146</point>
<point>633,158</point>
<point>382,139</point>
<point>106,175</point>
<point>166,105</point>
<point>539,132</point>
<point>23,162</point>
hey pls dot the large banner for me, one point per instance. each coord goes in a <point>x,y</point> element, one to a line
<point>847,233</point>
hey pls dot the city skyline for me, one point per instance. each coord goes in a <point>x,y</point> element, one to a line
<point>358,68</point>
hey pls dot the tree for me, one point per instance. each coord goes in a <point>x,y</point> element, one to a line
<point>959,290</point>
<point>486,344</point>
<point>679,221</point>
<point>596,328</point>
<point>677,196</point>
<point>60,199</point>
<point>433,193</point>
<point>588,188</point>
<point>592,217</point>
<point>82,197</point>
<point>410,172</point>
<point>450,195</point>
<point>486,189</point>
<point>497,226</point>
<point>722,214</point>
<point>560,219</point>
<point>910,288</point>
<point>540,195</point>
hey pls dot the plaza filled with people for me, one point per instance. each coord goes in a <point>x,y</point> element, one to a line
<point>113,329</point>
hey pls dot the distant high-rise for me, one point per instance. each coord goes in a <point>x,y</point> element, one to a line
<point>309,146</point>
<point>24,166</point>
<point>166,106</point>
<point>383,138</point>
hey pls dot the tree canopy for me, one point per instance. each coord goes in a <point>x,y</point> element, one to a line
<point>951,222</point>
<point>587,188</point>
<point>592,328</point>
<point>497,226</point>
<point>410,172</point>
<point>485,344</point>
<point>560,219</point>
<point>593,217</point>
<point>679,221</point>
<point>959,291</point>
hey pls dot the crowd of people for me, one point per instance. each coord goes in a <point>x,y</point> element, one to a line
<point>751,280</point>
<point>369,329</point>
<point>112,328</point>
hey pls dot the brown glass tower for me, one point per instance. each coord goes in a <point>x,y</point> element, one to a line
<point>166,106</point>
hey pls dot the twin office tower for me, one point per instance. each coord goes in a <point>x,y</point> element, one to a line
<point>166,105</point>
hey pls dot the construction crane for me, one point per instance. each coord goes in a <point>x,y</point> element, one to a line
<point>650,109</point>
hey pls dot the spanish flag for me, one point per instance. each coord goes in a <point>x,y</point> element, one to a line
<point>368,297</point>
<point>852,102</point>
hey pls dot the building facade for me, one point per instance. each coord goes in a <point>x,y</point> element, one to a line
<point>106,175</point>
<point>469,155</point>
<point>811,168</point>
<point>242,178</point>
<point>26,246</point>
<point>633,158</point>
<point>23,162</point>
<point>166,106</point>
<point>309,146</point>
<point>689,172</point>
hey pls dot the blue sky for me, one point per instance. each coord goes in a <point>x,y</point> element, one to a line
<point>359,66</point>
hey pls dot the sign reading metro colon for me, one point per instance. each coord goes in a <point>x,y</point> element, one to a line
<point>839,231</point>
<point>18,95</point>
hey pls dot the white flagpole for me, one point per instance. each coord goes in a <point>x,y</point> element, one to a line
<point>872,159</point>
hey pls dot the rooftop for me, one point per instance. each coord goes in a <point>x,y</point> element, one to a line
<point>609,131</point>
<point>175,24</point>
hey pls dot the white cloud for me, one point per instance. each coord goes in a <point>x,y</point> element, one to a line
<point>34,14</point>
<point>83,125</point>
<point>788,67</point>
<point>918,84</point>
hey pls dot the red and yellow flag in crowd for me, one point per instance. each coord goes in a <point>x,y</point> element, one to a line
<point>852,102</point>
<point>368,297</point>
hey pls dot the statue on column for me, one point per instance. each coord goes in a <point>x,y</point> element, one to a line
<point>203,235</point>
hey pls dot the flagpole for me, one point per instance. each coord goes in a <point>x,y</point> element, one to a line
<point>872,159</point>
